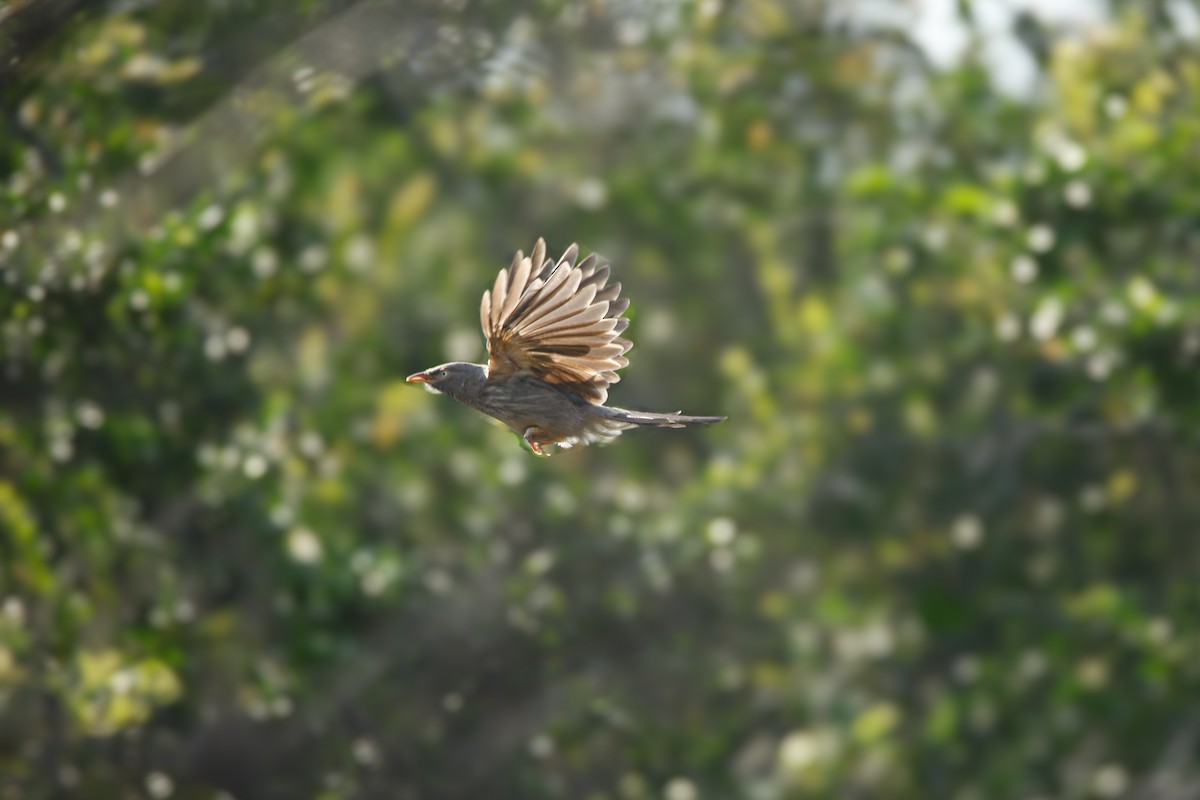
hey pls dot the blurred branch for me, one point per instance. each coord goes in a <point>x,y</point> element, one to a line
<point>27,27</point>
<point>25,30</point>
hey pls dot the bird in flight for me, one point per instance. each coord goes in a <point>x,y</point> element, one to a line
<point>554,346</point>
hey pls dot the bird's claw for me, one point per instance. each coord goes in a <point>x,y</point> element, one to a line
<point>533,443</point>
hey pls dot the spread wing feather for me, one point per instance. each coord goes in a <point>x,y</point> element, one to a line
<point>557,321</point>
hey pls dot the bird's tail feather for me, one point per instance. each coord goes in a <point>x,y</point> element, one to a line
<point>670,420</point>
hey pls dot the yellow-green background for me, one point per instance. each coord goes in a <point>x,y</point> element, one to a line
<point>944,547</point>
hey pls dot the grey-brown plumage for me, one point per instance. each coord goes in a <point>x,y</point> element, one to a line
<point>554,346</point>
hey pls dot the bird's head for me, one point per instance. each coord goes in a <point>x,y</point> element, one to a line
<point>458,379</point>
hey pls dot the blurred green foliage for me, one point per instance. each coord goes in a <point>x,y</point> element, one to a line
<point>945,546</point>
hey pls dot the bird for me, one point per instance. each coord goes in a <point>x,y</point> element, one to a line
<point>553,332</point>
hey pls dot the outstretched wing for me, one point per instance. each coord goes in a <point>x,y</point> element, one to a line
<point>557,321</point>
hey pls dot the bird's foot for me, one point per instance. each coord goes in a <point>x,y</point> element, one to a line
<point>530,438</point>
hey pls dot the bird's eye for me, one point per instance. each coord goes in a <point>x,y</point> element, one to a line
<point>441,373</point>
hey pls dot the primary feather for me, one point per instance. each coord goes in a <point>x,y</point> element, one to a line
<point>562,324</point>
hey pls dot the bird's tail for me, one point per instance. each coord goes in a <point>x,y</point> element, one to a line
<point>672,420</point>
